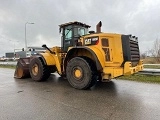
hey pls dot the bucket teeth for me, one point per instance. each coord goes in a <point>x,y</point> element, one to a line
<point>22,68</point>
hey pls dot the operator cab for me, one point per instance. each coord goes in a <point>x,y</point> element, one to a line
<point>71,32</point>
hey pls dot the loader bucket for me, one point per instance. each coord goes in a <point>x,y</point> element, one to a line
<point>22,68</point>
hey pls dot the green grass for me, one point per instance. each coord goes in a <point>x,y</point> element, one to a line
<point>150,60</point>
<point>152,66</point>
<point>8,66</point>
<point>142,78</point>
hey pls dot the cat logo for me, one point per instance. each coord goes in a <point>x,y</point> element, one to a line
<point>88,41</point>
<point>91,40</point>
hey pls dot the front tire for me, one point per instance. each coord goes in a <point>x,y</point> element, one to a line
<point>80,73</point>
<point>38,71</point>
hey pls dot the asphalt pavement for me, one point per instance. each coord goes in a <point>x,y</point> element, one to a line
<point>55,99</point>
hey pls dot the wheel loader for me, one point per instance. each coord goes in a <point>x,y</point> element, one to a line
<point>84,57</point>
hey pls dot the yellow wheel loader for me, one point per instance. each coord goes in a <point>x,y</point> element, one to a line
<point>84,57</point>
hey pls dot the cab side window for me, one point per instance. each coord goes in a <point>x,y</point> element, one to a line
<point>81,31</point>
<point>68,33</point>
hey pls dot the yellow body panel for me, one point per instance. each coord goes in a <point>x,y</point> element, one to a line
<point>111,68</point>
<point>128,70</point>
<point>53,59</point>
<point>49,58</point>
<point>107,55</point>
<point>113,72</point>
<point>99,53</point>
<point>115,48</point>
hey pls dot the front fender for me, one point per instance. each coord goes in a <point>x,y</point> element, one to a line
<point>48,59</point>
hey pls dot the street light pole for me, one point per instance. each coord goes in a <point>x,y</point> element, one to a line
<point>25,34</point>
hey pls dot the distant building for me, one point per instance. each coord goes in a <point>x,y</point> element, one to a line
<point>9,55</point>
<point>19,54</point>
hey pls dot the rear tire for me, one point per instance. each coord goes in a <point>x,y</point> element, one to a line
<point>80,73</point>
<point>38,71</point>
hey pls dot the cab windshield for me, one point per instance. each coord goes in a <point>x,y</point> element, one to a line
<point>80,31</point>
<point>75,31</point>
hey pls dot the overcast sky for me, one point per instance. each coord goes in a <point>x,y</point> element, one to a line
<point>137,17</point>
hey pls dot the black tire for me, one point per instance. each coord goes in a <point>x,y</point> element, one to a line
<point>38,71</point>
<point>87,77</point>
<point>94,71</point>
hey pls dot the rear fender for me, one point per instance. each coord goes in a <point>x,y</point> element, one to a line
<point>94,52</point>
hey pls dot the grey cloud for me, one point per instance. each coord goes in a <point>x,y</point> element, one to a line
<point>126,17</point>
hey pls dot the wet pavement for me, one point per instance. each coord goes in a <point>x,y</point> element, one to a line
<point>55,99</point>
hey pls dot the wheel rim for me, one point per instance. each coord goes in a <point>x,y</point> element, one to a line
<point>35,69</point>
<point>77,73</point>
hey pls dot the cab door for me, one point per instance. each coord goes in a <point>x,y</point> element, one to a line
<point>67,38</point>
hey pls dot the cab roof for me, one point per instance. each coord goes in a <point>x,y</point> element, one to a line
<point>74,23</point>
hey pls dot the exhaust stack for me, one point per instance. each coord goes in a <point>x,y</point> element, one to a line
<point>98,27</point>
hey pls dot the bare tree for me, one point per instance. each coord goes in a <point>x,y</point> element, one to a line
<point>143,55</point>
<point>155,51</point>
